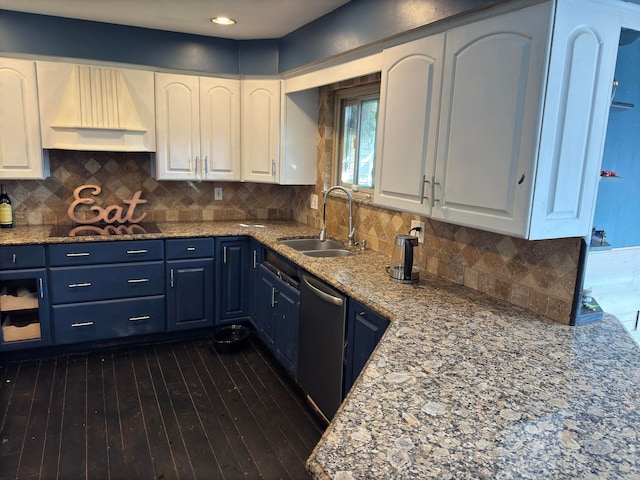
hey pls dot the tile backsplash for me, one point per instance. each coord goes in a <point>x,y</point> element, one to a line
<point>44,202</point>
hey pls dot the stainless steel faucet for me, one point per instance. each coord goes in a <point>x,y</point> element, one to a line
<point>352,228</point>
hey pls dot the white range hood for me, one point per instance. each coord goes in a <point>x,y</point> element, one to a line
<point>85,107</point>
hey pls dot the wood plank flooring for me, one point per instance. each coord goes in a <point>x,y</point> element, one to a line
<point>173,411</point>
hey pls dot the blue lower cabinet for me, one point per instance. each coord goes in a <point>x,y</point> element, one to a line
<point>364,330</point>
<point>24,305</point>
<point>91,321</point>
<point>286,326</point>
<point>234,286</point>
<point>277,316</point>
<point>265,303</point>
<point>190,294</point>
<point>104,282</point>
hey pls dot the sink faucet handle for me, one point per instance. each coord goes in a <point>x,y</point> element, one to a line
<point>323,234</point>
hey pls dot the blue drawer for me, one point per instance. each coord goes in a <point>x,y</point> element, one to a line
<point>185,248</point>
<point>85,322</point>
<point>104,282</point>
<point>21,256</point>
<point>91,253</point>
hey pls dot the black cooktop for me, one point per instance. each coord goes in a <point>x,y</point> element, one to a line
<point>103,229</point>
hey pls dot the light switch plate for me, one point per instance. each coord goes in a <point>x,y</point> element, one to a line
<point>420,234</point>
<point>217,193</point>
<point>314,201</point>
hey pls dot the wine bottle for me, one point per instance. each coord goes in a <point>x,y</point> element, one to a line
<point>6,213</point>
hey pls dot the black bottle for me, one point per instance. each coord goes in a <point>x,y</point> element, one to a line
<point>6,213</point>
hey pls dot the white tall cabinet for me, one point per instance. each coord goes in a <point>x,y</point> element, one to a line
<point>260,130</point>
<point>408,125</point>
<point>197,127</point>
<point>20,146</point>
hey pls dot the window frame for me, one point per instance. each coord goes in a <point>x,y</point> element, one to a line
<point>359,93</point>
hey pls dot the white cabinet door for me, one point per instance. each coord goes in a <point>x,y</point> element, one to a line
<point>581,69</point>
<point>408,125</point>
<point>220,128</point>
<point>20,148</point>
<point>491,97</point>
<point>260,130</point>
<point>177,127</point>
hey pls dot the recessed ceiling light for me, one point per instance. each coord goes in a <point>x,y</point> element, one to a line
<point>223,21</point>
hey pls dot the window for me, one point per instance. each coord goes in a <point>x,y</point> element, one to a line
<point>357,114</point>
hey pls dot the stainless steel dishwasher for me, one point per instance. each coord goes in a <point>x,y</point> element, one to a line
<point>323,313</point>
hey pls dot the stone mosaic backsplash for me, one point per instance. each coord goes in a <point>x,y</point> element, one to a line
<point>45,202</point>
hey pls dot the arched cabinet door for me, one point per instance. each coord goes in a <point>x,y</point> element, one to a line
<point>20,147</point>
<point>577,102</point>
<point>408,125</point>
<point>491,98</point>
<point>177,126</point>
<point>260,130</point>
<point>220,128</point>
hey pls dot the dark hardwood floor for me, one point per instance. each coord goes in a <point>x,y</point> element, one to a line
<point>173,411</point>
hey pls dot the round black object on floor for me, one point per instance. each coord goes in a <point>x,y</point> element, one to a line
<point>230,338</point>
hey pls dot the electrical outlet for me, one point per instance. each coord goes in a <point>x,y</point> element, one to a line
<point>314,201</point>
<point>217,193</point>
<point>420,234</point>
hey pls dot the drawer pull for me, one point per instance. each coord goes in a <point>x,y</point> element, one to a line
<point>191,249</point>
<point>141,317</point>
<point>82,254</point>
<point>13,258</point>
<point>81,324</point>
<point>138,280</point>
<point>136,252</point>
<point>79,285</point>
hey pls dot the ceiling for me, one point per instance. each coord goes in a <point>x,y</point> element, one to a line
<point>257,19</point>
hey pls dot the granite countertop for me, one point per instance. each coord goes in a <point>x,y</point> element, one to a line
<point>461,385</point>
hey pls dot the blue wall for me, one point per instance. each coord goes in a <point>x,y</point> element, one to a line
<point>361,22</point>
<point>64,37</point>
<point>618,204</point>
<point>356,24</point>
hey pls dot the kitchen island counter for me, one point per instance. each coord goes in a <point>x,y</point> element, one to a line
<point>461,385</point>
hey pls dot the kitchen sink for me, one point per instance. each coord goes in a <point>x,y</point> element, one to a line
<point>313,247</point>
<point>333,252</point>
<point>305,244</point>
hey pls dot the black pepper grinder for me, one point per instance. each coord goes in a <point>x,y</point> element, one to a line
<point>6,213</point>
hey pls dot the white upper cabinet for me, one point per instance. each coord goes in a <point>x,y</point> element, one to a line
<point>408,124</point>
<point>220,128</point>
<point>576,110</point>
<point>198,128</point>
<point>85,107</point>
<point>492,86</point>
<point>177,126</point>
<point>260,130</point>
<point>524,103</point>
<point>20,148</point>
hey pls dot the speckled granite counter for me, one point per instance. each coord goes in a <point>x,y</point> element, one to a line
<point>462,386</point>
